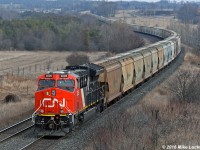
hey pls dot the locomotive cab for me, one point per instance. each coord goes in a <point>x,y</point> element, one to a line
<point>54,100</point>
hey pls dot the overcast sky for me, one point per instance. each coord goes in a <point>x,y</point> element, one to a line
<point>157,0</point>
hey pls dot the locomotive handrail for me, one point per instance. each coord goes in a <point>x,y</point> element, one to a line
<point>33,115</point>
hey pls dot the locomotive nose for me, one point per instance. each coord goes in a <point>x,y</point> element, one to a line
<point>50,92</point>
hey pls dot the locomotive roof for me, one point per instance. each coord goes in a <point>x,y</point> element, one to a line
<point>86,69</point>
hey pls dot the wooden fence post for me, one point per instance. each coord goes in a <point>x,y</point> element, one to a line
<point>27,88</point>
<point>35,67</point>
<point>18,71</point>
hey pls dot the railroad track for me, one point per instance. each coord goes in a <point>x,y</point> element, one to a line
<point>14,130</point>
<point>29,146</point>
<point>42,143</point>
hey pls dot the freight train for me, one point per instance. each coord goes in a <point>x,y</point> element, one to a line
<point>68,97</point>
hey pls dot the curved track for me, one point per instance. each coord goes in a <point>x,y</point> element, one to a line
<point>78,139</point>
<point>37,142</point>
<point>41,142</point>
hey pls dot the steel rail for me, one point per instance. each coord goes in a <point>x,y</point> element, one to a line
<point>35,143</point>
<point>5,129</point>
<point>16,133</point>
<point>28,145</point>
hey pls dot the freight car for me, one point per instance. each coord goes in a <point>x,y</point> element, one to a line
<point>67,97</point>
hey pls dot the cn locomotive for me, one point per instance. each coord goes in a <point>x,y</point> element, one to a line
<point>67,97</point>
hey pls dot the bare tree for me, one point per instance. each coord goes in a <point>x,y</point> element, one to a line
<point>105,8</point>
<point>190,35</point>
<point>185,86</point>
<point>119,38</point>
<point>188,12</point>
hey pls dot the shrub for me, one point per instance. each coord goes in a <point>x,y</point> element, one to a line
<point>77,59</point>
<point>10,98</point>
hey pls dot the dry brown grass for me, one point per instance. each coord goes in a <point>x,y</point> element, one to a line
<point>22,87</point>
<point>12,112</point>
<point>17,85</point>
<point>149,125</point>
<point>151,21</point>
<point>26,59</point>
<point>157,98</point>
<point>163,21</point>
<point>192,60</point>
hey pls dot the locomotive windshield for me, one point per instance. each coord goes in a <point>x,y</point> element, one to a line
<point>43,84</point>
<point>66,84</point>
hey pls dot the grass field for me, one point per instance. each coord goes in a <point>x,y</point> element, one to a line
<point>25,86</point>
<point>129,17</point>
<point>11,60</point>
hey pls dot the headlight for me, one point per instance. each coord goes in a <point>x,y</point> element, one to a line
<point>42,111</point>
<point>61,111</point>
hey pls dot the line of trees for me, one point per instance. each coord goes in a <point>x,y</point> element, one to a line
<point>190,34</point>
<point>53,32</point>
<point>188,13</point>
<point>105,9</point>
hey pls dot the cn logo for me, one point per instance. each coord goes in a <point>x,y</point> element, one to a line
<point>53,102</point>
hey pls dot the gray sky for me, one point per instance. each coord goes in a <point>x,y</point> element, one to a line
<point>134,0</point>
<point>157,0</point>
